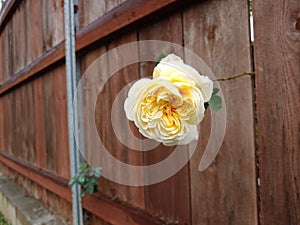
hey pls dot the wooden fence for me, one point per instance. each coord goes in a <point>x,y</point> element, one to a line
<point>255,178</point>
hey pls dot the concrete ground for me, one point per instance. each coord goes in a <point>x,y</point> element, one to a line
<point>22,209</point>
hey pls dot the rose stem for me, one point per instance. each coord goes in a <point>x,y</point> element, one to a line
<point>234,76</point>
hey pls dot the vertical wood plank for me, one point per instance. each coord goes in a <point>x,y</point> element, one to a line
<point>2,57</point>
<point>36,22</point>
<point>89,11</point>
<point>8,50</point>
<point>57,25</point>
<point>39,115</point>
<point>277,57</point>
<point>28,32</point>
<point>170,198</point>
<point>16,105</point>
<point>46,18</point>
<point>225,193</point>
<point>61,126</point>
<point>25,123</point>
<point>133,195</point>
<point>2,125</point>
<point>50,132</point>
<point>88,93</point>
<point>21,45</point>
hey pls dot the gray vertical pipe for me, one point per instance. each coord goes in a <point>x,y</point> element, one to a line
<point>71,87</point>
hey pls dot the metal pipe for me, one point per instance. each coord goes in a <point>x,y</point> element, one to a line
<point>71,87</point>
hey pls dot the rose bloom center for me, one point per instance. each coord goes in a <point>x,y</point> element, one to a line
<point>161,113</point>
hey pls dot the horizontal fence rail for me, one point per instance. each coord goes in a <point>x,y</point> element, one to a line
<point>119,18</point>
<point>98,203</point>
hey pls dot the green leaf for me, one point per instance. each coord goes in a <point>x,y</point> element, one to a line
<point>159,59</point>
<point>94,179</point>
<point>98,172</point>
<point>81,178</point>
<point>91,172</point>
<point>215,91</point>
<point>215,102</point>
<point>82,166</point>
<point>90,189</point>
<point>72,182</point>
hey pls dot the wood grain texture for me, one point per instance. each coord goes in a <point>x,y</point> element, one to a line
<point>170,199</point>
<point>2,57</point>
<point>9,7</point>
<point>98,204</point>
<point>35,36</point>
<point>119,79</point>
<point>50,131</point>
<point>225,193</point>
<point>39,115</point>
<point>125,15</point>
<point>2,125</point>
<point>61,124</point>
<point>89,11</point>
<point>88,93</point>
<point>277,57</point>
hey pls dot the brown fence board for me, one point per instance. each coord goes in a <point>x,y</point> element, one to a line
<point>61,124</point>
<point>170,198</point>
<point>225,193</point>
<point>36,36</point>
<point>39,115</point>
<point>27,124</point>
<point>2,127</point>
<point>104,26</point>
<point>8,10</point>
<point>89,11</point>
<point>98,204</point>
<point>277,56</point>
<point>120,79</point>
<point>33,109</point>
<point>50,131</point>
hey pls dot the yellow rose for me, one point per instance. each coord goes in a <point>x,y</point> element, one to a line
<point>169,107</point>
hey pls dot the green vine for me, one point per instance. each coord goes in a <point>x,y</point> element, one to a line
<point>87,178</point>
<point>235,76</point>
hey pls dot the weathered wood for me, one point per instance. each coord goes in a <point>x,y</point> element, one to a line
<point>39,115</point>
<point>50,131</point>
<point>48,59</point>
<point>225,193</point>
<point>2,125</point>
<point>89,11</point>
<point>133,195</point>
<point>170,198</point>
<point>46,179</point>
<point>277,55</point>
<point>57,26</point>
<point>59,93</point>
<point>103,108</point>
<point>7,12</point>
<point>28,123</point>
<point>100,205</point>
<point>36,36</point>
<point>119,18</point>
<point>46,17</point>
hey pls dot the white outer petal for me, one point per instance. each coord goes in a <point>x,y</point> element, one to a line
<point>191,136</point>
<point>173,61</point>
